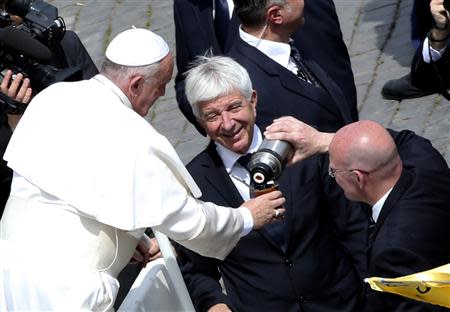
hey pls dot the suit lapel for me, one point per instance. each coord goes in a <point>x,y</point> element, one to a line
<point>390,203</point>
<point>233,31</point>
<point>332,89</point>
<point>288,79</point>
<point>219,179</point>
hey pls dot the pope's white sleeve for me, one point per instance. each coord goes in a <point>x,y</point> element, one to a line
<point>205,228</point>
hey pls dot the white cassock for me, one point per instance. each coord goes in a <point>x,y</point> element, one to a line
<point>89,176</point>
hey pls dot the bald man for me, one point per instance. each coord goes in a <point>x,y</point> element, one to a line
<point>409,199</point>
<point>369,148</point>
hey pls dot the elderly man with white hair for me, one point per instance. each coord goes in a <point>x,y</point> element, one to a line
<point>90,175</point>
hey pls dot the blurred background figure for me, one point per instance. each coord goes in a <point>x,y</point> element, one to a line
<point>431,65</point>
<point>408,87</point>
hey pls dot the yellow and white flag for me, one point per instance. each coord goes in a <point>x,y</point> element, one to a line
<point>432,286</point>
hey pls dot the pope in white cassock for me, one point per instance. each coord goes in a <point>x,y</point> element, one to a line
<point>90,175</point>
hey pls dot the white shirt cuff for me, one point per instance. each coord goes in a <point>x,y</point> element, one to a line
<point>248,220</point>
<point>435,54</point>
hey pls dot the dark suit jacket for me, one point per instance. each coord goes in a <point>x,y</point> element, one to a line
<point>282,93</point>
<point>429,76</point>
<point>411,234</point>
<point>315,273</point>
<point>319,39</point>
<point>416,151</point>
<point>413,222</point>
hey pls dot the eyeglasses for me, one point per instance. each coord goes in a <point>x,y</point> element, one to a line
<point>332,171</point>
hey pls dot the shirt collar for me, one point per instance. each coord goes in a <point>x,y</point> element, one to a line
<point>229,157</point>
<point>115,89</point>
<point>376,209</point>
<point>278,51</point>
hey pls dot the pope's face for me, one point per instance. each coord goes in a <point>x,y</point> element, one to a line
<point>229,120</point>
<point>151,90</point>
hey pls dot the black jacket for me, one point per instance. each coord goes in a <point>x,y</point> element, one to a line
<point>282,93</point>
<point>320,39</point>
<point>410,235</point>
<point>316,272</point>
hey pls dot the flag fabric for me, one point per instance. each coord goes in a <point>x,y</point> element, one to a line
<point>432,286</point>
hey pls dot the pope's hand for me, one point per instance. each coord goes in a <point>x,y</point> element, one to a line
<point>147,250</point>
<point>264,208</point>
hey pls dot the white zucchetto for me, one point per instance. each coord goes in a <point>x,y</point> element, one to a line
<point>136,47</point>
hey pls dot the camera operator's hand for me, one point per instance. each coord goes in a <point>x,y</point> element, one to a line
<point>440,14</point>
<point>18,88</point>
<point>440,33</point>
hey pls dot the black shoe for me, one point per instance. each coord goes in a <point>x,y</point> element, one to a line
<point>402,88</point>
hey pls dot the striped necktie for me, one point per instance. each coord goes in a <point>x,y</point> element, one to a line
<point>302,71</point>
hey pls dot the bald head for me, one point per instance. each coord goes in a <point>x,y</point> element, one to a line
<point>365,145</point>
<point>365,158</point>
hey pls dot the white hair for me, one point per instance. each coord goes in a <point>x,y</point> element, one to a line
<point>121,73</point>
<point>214,76</point>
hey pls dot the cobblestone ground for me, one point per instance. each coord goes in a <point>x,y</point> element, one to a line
<point>376,32</point>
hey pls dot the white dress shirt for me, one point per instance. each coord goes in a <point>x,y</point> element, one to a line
<point>238,174</point>
<point>277,51</point>
<point>376,209</point>
<point>435,54</point>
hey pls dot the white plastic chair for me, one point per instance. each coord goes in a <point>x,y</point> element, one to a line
<point>159,286</point>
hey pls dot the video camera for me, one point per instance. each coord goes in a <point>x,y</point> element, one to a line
<point>27,48</point>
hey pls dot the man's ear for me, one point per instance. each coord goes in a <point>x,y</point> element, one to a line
<point>360,178</point>
<point>254,99</point>
<point>274,15</point>
<point>135,85</point>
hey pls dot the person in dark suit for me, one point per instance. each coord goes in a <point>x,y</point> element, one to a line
<point>430,28</point>
<point>277,69</point>
<point>195,34</point>
<point>406,183</point>
<point>431,65</point>
<point>320,39</point>
<point>309,261</point>
<point>409,207</point>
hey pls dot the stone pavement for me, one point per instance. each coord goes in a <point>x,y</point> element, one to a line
<point>376,32</point>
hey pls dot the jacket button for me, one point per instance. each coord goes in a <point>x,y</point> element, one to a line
<point>301,299</point>
<point>288,262</point>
